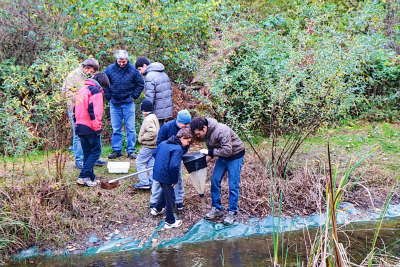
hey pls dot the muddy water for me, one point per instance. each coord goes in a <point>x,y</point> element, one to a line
<point>250,251</point>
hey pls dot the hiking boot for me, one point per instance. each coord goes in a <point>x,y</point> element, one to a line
<point>214,212</point>
<point>114,155</point>
<point>79,164</point>
<point>142,186</point>
<point>177,223</point>
<point>100,163</point>
<point>155,212</point>
<point>91,183</point>
<point>179,206</point>
<point>230,218</point>
<point>132,155</point>
<point>81,181</point>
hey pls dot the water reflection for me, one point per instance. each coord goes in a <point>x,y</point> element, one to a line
<point>250,251</point>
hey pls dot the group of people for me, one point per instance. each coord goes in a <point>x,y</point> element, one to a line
<point>163,144</point>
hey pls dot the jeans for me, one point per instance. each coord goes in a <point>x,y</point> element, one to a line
<point>179,190</point>
<point>144,158</point>
<point>91,146</point>
<point>124,111</point>
<point>233,167</point>
<point>167,199</point>
<point>76,142</point>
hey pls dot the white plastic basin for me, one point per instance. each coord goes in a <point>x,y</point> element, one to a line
<point>118,167</point>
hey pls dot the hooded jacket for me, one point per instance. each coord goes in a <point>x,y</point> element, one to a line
<point>88,109</point>
<point>148,131</point>
<point>158,90</point>
<point>222,141</point>
<point>167,164</point>
<point>73,82</point>
<point>126,84</point>
<point>167,130</point>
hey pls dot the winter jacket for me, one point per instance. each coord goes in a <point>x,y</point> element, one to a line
<point>88,109</point>
<point>158,90</point>
<point>73,82</point>
<point>167,164</point>
<point>148,131</point>
<point>167,130</point>
<point>126,83</point>
<point>222,141</point>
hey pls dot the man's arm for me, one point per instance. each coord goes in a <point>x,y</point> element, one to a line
<point>139,84</point>
<point>226,146</point>
<point>107,91</point>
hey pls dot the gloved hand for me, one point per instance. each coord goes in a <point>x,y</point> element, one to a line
<point>204,151</point>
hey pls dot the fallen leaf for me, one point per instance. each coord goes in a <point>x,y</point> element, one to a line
<point>116,232</point>
<point>118,222</point>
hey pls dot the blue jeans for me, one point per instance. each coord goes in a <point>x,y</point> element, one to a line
<point>76,142</point>
<point>91,146</point>
<point>233,167</point>
<point>124,111</point>
<point>179,190</point>
<point>144,158</point>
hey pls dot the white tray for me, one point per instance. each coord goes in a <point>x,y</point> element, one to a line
<point>118,167</point>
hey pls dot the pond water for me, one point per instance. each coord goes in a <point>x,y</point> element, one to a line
<point>254,250</point>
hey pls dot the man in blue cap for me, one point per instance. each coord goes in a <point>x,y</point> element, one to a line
<point>166,131</point>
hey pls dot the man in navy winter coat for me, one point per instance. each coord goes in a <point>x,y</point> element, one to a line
<point>169,129</point>
<point>126,85</point>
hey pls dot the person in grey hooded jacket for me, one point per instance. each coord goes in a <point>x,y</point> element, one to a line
<point>157,87</point>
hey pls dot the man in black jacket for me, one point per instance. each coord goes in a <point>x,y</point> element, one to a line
<point>126,86</point>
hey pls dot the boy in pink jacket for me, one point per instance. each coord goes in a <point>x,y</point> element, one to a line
<point>88,113</point>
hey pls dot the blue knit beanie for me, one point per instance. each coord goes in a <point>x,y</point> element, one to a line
<point>184,117</point>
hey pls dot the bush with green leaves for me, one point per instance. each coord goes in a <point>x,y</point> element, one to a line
<point>298,70</point>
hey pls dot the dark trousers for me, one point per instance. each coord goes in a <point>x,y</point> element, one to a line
<point>91,147</point>
<point>161,122</point>
<point>167,200</point>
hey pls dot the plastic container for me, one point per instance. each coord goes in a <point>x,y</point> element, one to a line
<point>194,161</point>
<point>118,167</point>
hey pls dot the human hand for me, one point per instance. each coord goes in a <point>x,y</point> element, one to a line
<point>204,151</point>
<point>208,159</point>
<point>173,186</point>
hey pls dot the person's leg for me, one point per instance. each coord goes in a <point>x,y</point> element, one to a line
<point>169,202</point>
<point>218,174</point>
<point>179,188</point>
<point>155,192</point>
<point>150,164</point>
<point>86,153</point>
<point>143,157</point>
<point>94,150</point>
<point>116,124</point>
<point>234,168</point>
<point>76,142</point>
<point>129,120</point>
<point>160,202</point>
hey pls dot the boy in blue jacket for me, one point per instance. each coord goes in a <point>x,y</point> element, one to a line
<point>168,157</point>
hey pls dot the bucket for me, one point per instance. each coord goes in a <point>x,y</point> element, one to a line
<point>196,165</point>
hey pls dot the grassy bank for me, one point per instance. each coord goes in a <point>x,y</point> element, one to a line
<point>37,209</point>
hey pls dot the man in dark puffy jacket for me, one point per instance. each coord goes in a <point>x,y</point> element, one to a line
<point>157,88</point>
<point>126,86</point>
<point>224,143</point>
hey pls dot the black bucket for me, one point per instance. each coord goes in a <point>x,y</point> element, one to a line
<point>194,161</point>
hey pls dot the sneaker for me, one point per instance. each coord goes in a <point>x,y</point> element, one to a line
<point>152,205</point>
<point>179,206</point>
<point>100,163</point>
<point>132,155</point>
<point>81,181</point>
<point>214,212</point>
<point>114,155</point>
<point>177,223</point>
<point>142,186</point>
<point>230,218</point>
<point>79,164</point>
<point>91,183</point>
<point>155,212</point>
